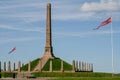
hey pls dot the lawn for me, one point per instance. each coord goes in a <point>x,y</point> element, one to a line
<point>86,78</point>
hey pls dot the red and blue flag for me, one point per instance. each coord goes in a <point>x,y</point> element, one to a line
<point>109,20</point>
<point>12,50</point>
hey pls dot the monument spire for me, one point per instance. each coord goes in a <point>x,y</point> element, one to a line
<point>48,48</point>
<point>48,53</point>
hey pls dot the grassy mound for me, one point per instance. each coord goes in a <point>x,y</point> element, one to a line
<point>56,65</point>
<point>33,64</point>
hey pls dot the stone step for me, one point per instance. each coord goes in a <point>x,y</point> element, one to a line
<point>41,64</point>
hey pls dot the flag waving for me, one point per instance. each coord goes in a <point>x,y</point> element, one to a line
<point>109,20</point>
<point>12,50</point>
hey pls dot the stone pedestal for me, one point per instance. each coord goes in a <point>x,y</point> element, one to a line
<point>9,67</point>
<point>14,67</point>
<point>29,67</point>
<point>62,66</point>
<point>19,65</point>
<point>87,67</point>
<point>79,66</point>
<point>40,66</point>
<point>91,67</point>
<point>50,66</point>
<point>73,65</point>
<point>4,66</point>
<point>76,66</point>
<point>83,67</point>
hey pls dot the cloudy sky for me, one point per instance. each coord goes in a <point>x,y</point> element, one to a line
<point>23,25</point>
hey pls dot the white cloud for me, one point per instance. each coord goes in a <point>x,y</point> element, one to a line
<point>22,39</point>
<point>20,4</point>
<point>30,12</point>
<point>102,9</point>
<point>72,16</point>
<point>103,5</point>
<point>32,29</point>
<point>86,34</point>
<point>35,11</point>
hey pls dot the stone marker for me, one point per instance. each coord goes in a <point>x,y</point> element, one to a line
<point>14,66</point>
<point>4,66</point>
<point>76,66</point>
<point>73,65</point>
<point>19,65</point>
<point>79,66</point>
<point>29,67</point>
<point>50,66</point>
<point>9,67</point>
<point>62,70</point>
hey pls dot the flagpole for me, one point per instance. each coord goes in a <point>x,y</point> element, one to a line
<point>112,50</point>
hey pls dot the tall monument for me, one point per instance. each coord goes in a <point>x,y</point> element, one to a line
<point>48,54</point>
<point>48,48</point>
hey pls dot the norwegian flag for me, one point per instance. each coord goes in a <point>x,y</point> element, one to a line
<point>12,50</point>
<point>109,20</point>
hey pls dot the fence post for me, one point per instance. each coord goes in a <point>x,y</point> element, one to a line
<point>73,65</point>
<point>62,66</point>
<point>19,65</point>
<point>29,67</point>
<point>5,66</point>
<point>50,66</point>
<point>9,66</point>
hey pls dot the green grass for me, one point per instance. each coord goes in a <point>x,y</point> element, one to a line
<point>76,74</point>
<point>55,62</point>
<point>57,65</point>
<point>70,76</point>
<point>87,78</point>
<point>7,74</point>
<point>67,66</point>
<point>33,64</point>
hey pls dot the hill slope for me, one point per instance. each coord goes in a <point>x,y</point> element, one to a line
<point>56,65</point>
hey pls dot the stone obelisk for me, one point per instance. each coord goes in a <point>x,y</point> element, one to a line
<point>48,54</point>
<point>48,48</point>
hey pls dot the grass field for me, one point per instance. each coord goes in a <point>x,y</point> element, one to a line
<point>76,74</point>
<point>87,78</point>
<point>68,76</point>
